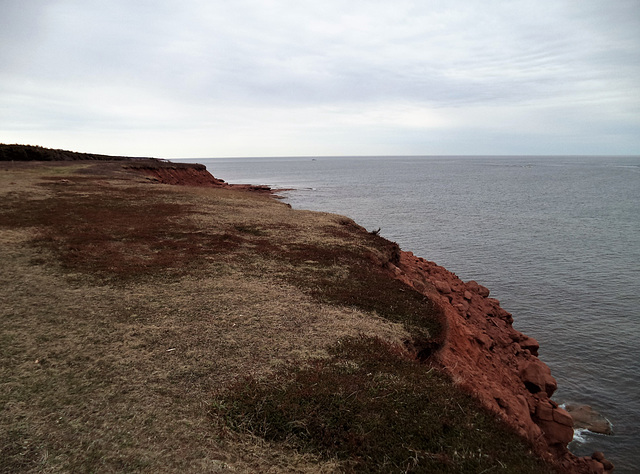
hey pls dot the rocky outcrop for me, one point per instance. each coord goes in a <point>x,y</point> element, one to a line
<point>587,418</point>
<point>487,357</point>
<point>187,174</point>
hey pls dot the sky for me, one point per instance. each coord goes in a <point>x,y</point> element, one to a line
<point>224,78</point>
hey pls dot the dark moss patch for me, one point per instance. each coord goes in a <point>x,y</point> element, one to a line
<point>350,275</point>
<point>389,250</point>
<point>15,152</point>
<point>118,233</point>
<point>250,229</point>
<point>376,410</point>
<point>17,452</point>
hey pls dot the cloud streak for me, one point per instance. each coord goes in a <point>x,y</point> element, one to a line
<point>287,78</point>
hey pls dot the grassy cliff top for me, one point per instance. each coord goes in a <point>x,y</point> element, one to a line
<point>155,328</point>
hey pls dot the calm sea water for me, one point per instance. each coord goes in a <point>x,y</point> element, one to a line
<point>556,239</point>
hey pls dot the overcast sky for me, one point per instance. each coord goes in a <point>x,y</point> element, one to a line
<point>208,78</point>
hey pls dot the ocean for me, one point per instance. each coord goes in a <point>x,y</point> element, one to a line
<point>556,239</point>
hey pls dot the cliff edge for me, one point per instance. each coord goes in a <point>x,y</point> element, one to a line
<point>499,365</point>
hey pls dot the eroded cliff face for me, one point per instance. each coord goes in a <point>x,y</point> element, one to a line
<point>487,357</point>
<point>188,174</point>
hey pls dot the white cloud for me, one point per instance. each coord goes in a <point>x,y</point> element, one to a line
<point>326,76</point>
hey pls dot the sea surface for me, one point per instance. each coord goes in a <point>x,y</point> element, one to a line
<point>556,239</point>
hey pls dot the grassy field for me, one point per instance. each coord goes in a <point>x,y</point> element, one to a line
<point>155,328</point>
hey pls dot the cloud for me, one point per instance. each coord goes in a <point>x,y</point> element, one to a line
<point>308,73</point>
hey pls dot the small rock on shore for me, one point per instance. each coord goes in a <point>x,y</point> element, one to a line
<point>587,418</point>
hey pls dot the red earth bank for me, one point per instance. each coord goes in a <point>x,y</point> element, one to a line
<point>488,358</point>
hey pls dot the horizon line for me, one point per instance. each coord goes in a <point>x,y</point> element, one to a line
<point>409,156</point>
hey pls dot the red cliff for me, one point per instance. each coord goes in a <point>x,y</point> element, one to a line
<point>187,174</point>
<point>487,357</point>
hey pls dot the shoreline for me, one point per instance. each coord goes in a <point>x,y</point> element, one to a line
<point>480,350</point>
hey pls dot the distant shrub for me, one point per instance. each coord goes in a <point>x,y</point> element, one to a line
<point>37,153</point>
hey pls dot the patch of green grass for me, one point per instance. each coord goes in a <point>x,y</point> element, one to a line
<point>375,410</point>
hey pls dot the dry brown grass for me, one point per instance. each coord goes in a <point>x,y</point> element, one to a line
<point>109,365</point>
<point>128,309</point>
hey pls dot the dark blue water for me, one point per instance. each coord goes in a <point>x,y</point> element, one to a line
<point>556,239</point>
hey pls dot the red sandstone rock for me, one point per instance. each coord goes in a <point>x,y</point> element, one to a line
<point>483,339</point>
<point>462,307</point>
<point>530,344</point>
<point>474,287</point>
<point>599,457</point>
<point>537,377</point>
<point>544,411</point>
<point>555,422</point>
<point>556,433</point>
<point>180,174</point>
<point>586,417</point>
<point>496,363</point>
<point>442,287</point>
<point>561,416</point>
